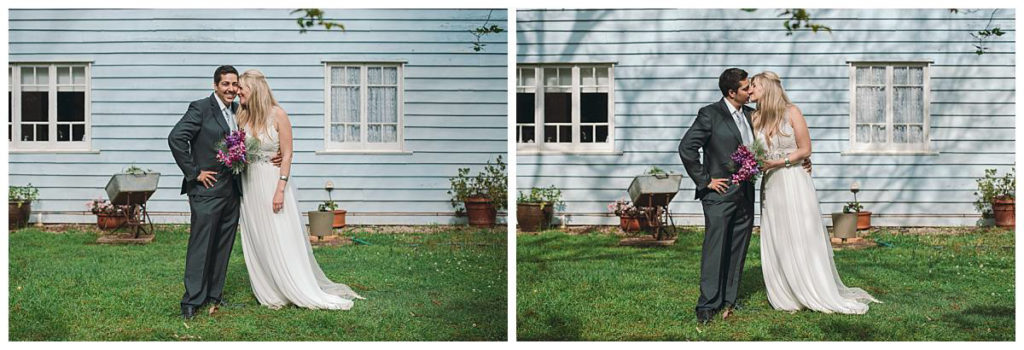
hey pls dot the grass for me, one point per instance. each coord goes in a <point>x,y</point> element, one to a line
<point>952,286</point>
<point>439,286</point>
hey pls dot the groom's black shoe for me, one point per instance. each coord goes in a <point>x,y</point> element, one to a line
<point>188,312</point>
<point>704,316</point>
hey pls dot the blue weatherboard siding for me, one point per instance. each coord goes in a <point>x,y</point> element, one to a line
<point>148,64</point>
<point>667,64</point>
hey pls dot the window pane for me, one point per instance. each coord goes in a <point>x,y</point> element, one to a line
<point>337,132</point>
<point>78,132</point>
<point>900,75</point>
<point>565,76</point>
<point>602,133</point>
<point>587,133</point>
<point>63,132</point>
<point>550,77</point>
<point>527,134</point>
<point>557,107</point>
<point>337,75</point>
<point>352,133</point>
<point>390,133</point>
<point>870,105</point>
<point>565,133</point>
<point>916,134</point>
<point>550,134</point>
<point>34,106</point>
<point>917,75</point>
<point>863,133</point>
<point>391,75</point>
<point>382,105</point>
<point>42,132</point>
<point>373,133</point>
<point>373,75</point>
<point>28,75</point>
<point>908,105</point>
<point>602,76</point>
<point>28,132</point>
<point>587,76</point>
<point>71,106</point>
<point>879,134</point>
<point>525,107</point>
<point>527,77</point>
<point>870,76</point>
<point>594,107</point>
<point>43,76</point>
<point>899,134</point>
<point>352,76</point>
<point>345,104</point>
<point>78,73</point>
<point>63,75</point>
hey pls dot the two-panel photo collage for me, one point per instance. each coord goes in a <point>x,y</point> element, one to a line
<point>511,175</point>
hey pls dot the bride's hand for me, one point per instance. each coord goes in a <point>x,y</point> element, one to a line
<point>278,201</point>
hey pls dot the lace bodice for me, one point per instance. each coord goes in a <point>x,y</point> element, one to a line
<point>270,143</point>
<point>783,142</point>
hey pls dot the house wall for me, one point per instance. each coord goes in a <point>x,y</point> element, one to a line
<point>147,65</point>
<point>667,64</point>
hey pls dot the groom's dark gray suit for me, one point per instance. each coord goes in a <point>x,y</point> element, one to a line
<point>728,217</point>
<point>215,210</point>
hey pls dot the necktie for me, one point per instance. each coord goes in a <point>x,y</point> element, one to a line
<point>741,123</point>
<point>229,118</point>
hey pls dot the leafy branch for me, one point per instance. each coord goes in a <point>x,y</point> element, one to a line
<point>315,17</point>
<point>984,34</point>
<point>798,18</point>
<point>483,30</point>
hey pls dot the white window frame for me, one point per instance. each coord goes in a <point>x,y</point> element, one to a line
<point>539,145</point>
<point>52,145</point>
<point>363,146</point>
<point>889,147</point>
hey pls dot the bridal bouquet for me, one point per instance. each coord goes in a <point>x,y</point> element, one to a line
<point>235,151</point>
<point>748,163</point>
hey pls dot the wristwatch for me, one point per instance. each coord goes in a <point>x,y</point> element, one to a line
<point>788,164</point>
<point>285,178</point>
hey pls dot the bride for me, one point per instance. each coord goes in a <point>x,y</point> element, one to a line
<point>796,255</point>
<point>277,253</point>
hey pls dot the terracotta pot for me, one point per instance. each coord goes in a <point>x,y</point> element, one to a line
<point>1003,210</point>
<point>634,224</point>
<point>339,218</point>
<point>110,221</point>
<point>532,218</point>
<point>481,212</point>
<point>18,215</point>
<point>863,220</point>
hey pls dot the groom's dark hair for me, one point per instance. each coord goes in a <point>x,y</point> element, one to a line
<point>225,69</point>
<point>730,80</point>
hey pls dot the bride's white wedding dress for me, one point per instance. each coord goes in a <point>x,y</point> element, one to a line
<point>278,256</point>
<point>796,255</point>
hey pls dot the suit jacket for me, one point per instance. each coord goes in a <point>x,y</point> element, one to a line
<point>193,142</point>
<point>716,132</point>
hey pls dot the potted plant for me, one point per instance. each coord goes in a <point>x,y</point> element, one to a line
<point>863,217</point>
<point>481,196</point>
<point>339,214</point>
<point>534,211</point>
<point>132,182</point>
<point>19,205</point>
<point>631,219</point>
<point>996,197</point>
<point>321,220</point>
<point>108,216</point>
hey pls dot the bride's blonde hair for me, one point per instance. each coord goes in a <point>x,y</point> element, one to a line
<point>258,105</point>
<point>771,106</point>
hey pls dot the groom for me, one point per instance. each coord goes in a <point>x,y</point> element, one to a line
<point>213,191</point>
<point>719,129</point>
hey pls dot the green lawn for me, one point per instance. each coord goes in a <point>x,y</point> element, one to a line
<point>438,286</point>
<point>954,286</point>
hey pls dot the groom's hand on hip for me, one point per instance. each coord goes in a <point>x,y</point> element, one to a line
<point>807,165</point>
<point>206,178</point>
<point>276,160</point>
<point>719,185</point>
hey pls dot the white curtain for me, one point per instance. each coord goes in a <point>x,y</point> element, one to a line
<point>382,105</point>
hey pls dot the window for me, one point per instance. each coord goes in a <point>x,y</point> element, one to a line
<point>565,108</point>
<point>49,106</point>
<point>889,107</point>
<point>364,107</point>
